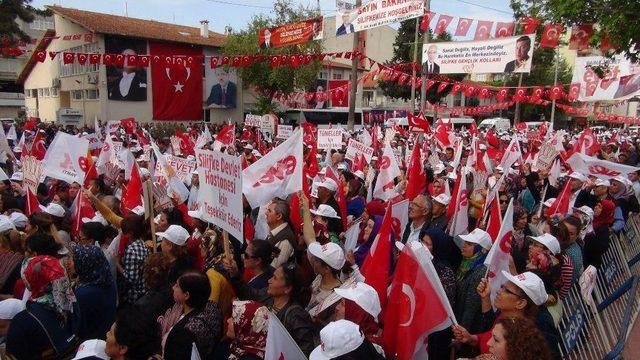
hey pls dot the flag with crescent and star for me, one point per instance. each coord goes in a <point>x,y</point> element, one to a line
<point>177,86</point>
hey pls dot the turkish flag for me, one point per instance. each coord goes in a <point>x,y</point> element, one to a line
<point>177,90</point>
<point>128,124</point>
<point>82,59</point>
<point>339,93</point>
<point>530,25</point>
<point>417,306</point>
<point>495,220</point>
<point>441,87</point>
<point>143,60</point>
<point>426,19</point>
<point>574,92</point>
<point>588,142</point>
<point>32,205</point>
<point>537,93</point>
<point>556,92</point>
<point>227,135</point>
<point>30,124</point>
<point>483,30</point>
<point>416,177</point>
<point>41,55</point>
<point>580,36</point>
<point>81,208</point>
<point>520,94</point>
<point>94,59</point>
<point>502,94</point>
<point>419,122</point>
<point>132,194</point>
<point>67,58</point>
<point>38,149</point>
<point>375,268</point>
<point>442,24</point>
<point>551,35</point>
<point>498,258</point>
<point>359,162</point>
<point>463,26</point>
<point>504,29</point>
<point>561,205</point>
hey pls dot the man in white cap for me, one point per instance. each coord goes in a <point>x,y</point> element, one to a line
<point>343,338</point>
<point>439,218</point>
<point>280,233</point>
<point>326,192</point>
<point>579,196</point>
<point>8,309</point>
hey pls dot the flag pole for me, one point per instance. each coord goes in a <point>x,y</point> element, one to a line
<point>544,193</point>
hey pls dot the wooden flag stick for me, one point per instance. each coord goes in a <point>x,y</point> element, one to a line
<point>227,246</point>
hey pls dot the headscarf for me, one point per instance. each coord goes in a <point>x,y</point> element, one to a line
<point>606,215</point>
<point>91,266</point>
<point>468,264</point>
<point>361,253</point>
<point>250,324</point>
<point>48,282</point>
<point>625,192</point>
<point>354,313</point>
<point>213,256</point>
<point>354,187</point>
<point>443,249</point>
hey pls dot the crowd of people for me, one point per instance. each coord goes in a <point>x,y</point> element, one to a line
<point>104,289</point>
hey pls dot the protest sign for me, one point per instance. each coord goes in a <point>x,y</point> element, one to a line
<point>621,80</point>
<point>284,131</point>
<point>32,171</point>
<point>268,123</point>
<point>329,139</point>
<point>546,155</point>
<point>94,141</point>
<point>252,120</point>
<point>376,13</point>
<point>182,167</point>
<point>355,147</point>
<point>220,192</point>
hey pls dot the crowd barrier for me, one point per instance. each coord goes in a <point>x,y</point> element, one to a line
<point>596,325</point>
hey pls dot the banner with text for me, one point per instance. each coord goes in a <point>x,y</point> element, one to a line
<point>621,81</point>
<point>290,34</point>
<point>329,139</point>
<point>503,55</point>
<point>183,169</point>
<point>355,147</point>
<point>252,120</point>
<point>220,192</point>
<point>377,13</point>
<point>284,131</point>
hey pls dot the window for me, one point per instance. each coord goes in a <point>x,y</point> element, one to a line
<point>54,92</point>
<point>76,94</point>
<point>27,93</point>
<point>46,92</point>
<point>75,68</point>
<point>337,76</point>
<point>323,75</point>
<point>40,92</point>
<point>42,24</point>
<point>91,94</point>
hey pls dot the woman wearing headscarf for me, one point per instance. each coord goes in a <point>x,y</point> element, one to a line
<point>519,247</point>
<point>96,292</point>
<point>366,237</point>
<point>355,202</point>
<point>625,199</point>
<point>597,242</point>
<point>442,248</point>
<point>247,329</point>
<point>47,327</point>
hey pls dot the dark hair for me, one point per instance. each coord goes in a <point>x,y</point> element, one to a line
<point>293,278</point>
<point>138,332</point>
<point>102,187</point>
<point>42,189</point>
<point>366,350</point>
<point>524,340</point>
<point>155,272</point>
<point>43,244</point>
<point>575,221</point>
<point>197,285</point>
<point>525,39</point>
<point>174,217</point>
<point>265,251</point>
<point>42,221</point>
<point>94,231</point>
<point>133,224</point>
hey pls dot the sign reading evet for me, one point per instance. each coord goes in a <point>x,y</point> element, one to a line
<point>182,167</point>
<point>329,139</point>
<point>252,120</point>
<point>355,147</point>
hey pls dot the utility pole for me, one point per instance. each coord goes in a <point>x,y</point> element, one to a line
<point>425,41</point>
<point>354,79</point>
<point>516,116</point>
<point>555,81</point>
<point>413,66</point>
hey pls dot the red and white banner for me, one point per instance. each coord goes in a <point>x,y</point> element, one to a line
<point>182,168</point>
<point>220,191</point>
<point>66,158</point>
<point>278,173</point>
<point>512,154</point>
<point>389,170</point>
<point>621,81</point>
<point>355,147</point>
<point>290,34</point>
<point>498,258</point>
<point>94,141</point>
<point>252,120</point>
<point>399,217</point>
<point>329,139</point>
<point>601,169</point>
<point>376,13</point>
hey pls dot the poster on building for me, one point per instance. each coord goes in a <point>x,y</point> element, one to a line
<point>339,90</point>
<point>220,192</point>
<point>316,97</point>
<point>621,81</point>
<point>355,147</point>
<point>290,34</point>
<point>220,85</point>
<point>503,55</point>
<point>329,139</point>
<point>127,82</point>
<point>376,13</point>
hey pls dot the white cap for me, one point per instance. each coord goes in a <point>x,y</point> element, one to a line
<point>600,182</point>
<point>144,171</point>
<point>578,176</point>
<point>439,168</point>
<point>53,209</point>
<point>359,174</point>
<point>19,219</point>
<point>342,166</point>
<point>329,184</point>
<point>499,168</point>
<point>96,218</point>
<point>623,180</point>
<point>17,176</point>
<point>478,236</point>
<point>138,210</point>
<point>531,284</point>
<point>364,295</point>
<point>175,234</point>
<point>331,253</point>
<point>325,210</point>
<point>549,241</point>
<point>248,147</point>
<point>9,308</point>
<point>337,338</point>
<point>443,199</point>
<point>92,349</point>
<point>6,224</point>
<point>549,202</point>
<point>482,147</point>
<point>256,153</point>
<point>585,210</point>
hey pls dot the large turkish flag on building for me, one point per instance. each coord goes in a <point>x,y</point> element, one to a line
<point>339,90</point>
<point>177,88</point>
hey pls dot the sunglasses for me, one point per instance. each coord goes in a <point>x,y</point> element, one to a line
<point>506,289</point>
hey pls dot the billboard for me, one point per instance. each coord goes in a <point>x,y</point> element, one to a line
<point>622,80</point>
<point>290,34</point>
<point>376,13</point>
<point>220,85</point>
<point>128,82</point>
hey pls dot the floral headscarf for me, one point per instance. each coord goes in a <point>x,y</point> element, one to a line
<point>250,324</point>
<point>48,282</point>
<point>91,266</point>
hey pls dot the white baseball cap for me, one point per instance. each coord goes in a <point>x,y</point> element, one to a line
<point>248,147</point>
<point>337,338</point>
<point>6,224</point>
<point>196,214</point>
<point>144,171</point>
<point>549,202</point>
<point>585,210</point>
<point>17,176</point>
<point>342,166</point>
<point>53,209</point>
<point>531,284</point>
<point>478,236</point>
<point>600,182</point>
<point>623,179</point>
<point>97,218</point>
<point>19,219</point>
<point>92,349</point>
<point>359,174</point>
<point>175,234</point>
<point>138,210</point>
<point>549,241</point>
<point>439,168</point>
<point>578,176</point>
<point>325,210</point>
<point>329,184</point>
<point>331,253</point>
<point>364,295</point>
<point>443,199</point>
<point>10,307</point>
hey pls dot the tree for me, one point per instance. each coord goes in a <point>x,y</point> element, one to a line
<point>403,53</point>
<point>266,80</point>
<point>616,19</point>
<point>10,11</point>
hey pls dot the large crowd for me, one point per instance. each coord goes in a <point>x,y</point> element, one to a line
<point>99,289</point>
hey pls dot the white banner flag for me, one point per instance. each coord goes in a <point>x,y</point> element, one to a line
<point>498,257</point>
<point>277,174</point>
<point>399,216</point>
<point>355,147</point>
<point>389,170</point>
<point>621,81</point>
<point>66,158</point>
<point>280,344</point>
<point>376,13</point>
<point>511,155</point>
<point>94,141</point>
<point>602,169</point>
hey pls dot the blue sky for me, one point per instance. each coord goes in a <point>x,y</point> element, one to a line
<point>223,12</point>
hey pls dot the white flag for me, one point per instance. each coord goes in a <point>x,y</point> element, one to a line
<point>174,184</point>
<point>512,154</point>
<point>4,144</point>
<point>460,221</point>
<point>601,169</point>
<point>106,154</point>
<point>11,133</point>
<point>399,216</point>
<point>554,174</point>
<point>66,158</point>
<point>389,170</point>
<point>277,174</point>
<point>365,137</point>
<point>280,345</point>
<point>498,257</point>
<point>351,236</point>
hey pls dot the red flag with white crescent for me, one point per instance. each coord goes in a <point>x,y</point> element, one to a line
<point>442,24</point>
<point>550,35</point>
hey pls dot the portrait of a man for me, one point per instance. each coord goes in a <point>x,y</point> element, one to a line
<point>223,93</point>
<point>267,40</point>
<point>347,26</point>
<point>129,82</point>
<point>430,65</point>
<point>523,45</point>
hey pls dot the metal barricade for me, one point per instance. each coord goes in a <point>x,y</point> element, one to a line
<point>630,242</point>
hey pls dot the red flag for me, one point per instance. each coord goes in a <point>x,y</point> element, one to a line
<point>561,205</point>
<point>339,93</point>
<point>227,135</point>
<point>91,172</point>
<point>451,209</point>
<point>530,25</point>
<point>38,150</point>
<point>40,55</point>
<point>502,94</point>
<point>495,219</point>
<point>32,205</point>
<point>520,95</point>
<point>556,92</point>
<point>580,36</point>
<point>504,29</point>
<point>359,163</point>
<point>587,141</point>
<point>606,44</point>
<point>342,203</point>
<point>443,85</point>
<point>177,90</point>
<point>574,92</point>
<point>416,177</point>
<point>550,35</point>
<point>375,268</point>
<point>415,307</point>
<point>443,23</point>
<point>441,135</point>
<point>426,19</point>
<point>132,194</point>
<point>294,213</point>
<point>463,26</point>
<point>82,208</point>
<point>483,30</point>
<point>312,167</point>
<point>419,122</point>
<point>67,58</point>
<point>30,124</point>
<point>128,124</point>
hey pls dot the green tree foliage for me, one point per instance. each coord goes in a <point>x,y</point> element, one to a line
<point>266,80</point>
<point>10,11</point>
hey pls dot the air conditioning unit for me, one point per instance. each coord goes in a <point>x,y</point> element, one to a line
<point>92,78</point>
<point>55,83</point>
